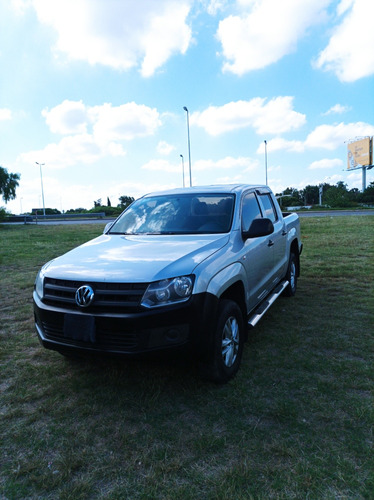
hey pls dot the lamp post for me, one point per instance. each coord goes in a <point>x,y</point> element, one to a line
<point>189,145</point>
<point>266,162</point>
<point>41,183</point>
<point>183,169</point>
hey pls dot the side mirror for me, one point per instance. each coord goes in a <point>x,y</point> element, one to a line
<point>259,227</point>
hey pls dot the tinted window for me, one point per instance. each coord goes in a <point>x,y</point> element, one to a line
<point>250,210</point>
<point>269,209</point>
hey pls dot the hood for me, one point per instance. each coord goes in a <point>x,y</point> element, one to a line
<point>143,258</point>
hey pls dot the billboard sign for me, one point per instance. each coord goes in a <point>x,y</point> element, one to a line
<point>360,153</point>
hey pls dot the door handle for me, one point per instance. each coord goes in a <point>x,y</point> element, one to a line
<point>270,243</point>
<point>284,232</point>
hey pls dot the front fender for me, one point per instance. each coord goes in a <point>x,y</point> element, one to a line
<point>224,279</point>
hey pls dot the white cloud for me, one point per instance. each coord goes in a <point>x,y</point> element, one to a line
<point>125,122</point>
<point>108,124</point>
<point>20,6</point>
<point>337,109</point>
<point>229,163</point>
<point>164,148</point>
<point>215,6</point>
<point>355,180</point>
<point>266,117</point>
<point>349,52</point>
<point>120,34</point>
<point>333,136</point>
<point>69,117</point>
<point>72,150</point>
<point>248,164</point>
<point>328,137</point>
<point>278,144</point>
<point>162,166</point>
<point>93,132</point>
<point>5,114</point>
<point>326,163</point>
<point>168,33</point>
<point>266,31</point>
<point>343,6</point>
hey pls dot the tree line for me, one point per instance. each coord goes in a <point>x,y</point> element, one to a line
<point>334,196</point>
<point>124,202</point>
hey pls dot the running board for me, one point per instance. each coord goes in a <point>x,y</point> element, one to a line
<point>265,305</point>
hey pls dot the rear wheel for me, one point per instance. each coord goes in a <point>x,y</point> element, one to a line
<point>228,343</point>
<point>291,276</point>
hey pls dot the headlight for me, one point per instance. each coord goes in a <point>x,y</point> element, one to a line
<point>39,282</point>
<point>169,291</point>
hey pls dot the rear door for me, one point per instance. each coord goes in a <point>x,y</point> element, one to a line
<point>277,240</point>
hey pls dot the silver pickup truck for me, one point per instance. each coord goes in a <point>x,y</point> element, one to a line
<point>186,269</point>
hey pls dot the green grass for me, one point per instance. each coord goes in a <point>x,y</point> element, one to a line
<point>296,422</point>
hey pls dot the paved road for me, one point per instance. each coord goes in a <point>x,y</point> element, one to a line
<point>61,222</point>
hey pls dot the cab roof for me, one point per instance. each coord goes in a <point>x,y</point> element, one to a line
<point>212,189</point>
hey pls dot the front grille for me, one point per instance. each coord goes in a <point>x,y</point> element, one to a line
<point>113,297</point>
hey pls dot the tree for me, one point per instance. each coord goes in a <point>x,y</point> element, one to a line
<point>337,196</point>
<point>291,198</point>
<point>97,203</point>
<point>108,202</point>
<point>8,184</point>
<point>76,210</point>
<point>125,201</point>
<point>368,194</point>
<point>355,195</point>
<point>310,195</point>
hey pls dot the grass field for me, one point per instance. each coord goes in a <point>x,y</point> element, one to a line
<point>296,422</point>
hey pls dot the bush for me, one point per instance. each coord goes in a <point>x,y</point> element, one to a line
<point>3,213</point>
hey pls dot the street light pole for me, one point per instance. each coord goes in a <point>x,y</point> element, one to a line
<point>189,145</point>
<point>183,169</point>
<point>266,162</point>
<point>41,183</point>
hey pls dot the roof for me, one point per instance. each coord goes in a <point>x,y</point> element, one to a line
<point>219,189</point>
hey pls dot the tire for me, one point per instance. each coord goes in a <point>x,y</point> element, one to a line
<point>228,343</point>
<point>291,276</point>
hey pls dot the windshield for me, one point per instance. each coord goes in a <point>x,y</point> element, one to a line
<point>177,214</point>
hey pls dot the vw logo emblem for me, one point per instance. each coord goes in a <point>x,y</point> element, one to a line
<point>84,296</point>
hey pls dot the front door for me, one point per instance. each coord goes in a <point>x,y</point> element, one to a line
<point>256,254</point>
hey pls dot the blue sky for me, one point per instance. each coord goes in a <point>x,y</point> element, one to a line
<point>95,90</point>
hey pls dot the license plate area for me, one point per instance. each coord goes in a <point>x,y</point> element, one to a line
<point>80,328</point>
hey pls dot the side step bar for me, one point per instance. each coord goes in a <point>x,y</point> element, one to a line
<point>265,305</point>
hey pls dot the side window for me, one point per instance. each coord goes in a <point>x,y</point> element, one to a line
<point>250,210</point>
<point>269,209</point>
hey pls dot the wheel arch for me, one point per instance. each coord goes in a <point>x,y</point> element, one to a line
<point>236,293</point>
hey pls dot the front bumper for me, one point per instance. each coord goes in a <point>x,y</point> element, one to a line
<point>182,326</point>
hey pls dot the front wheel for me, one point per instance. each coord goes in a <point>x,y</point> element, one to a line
<point>291,276</point>
<point>228,343</point>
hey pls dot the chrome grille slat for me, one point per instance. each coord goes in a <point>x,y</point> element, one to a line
<point>107,295</point>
